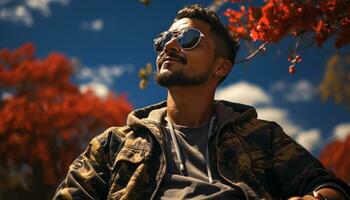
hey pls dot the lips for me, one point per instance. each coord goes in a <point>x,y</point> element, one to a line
<point>172,57</point>
<point>164,59</point>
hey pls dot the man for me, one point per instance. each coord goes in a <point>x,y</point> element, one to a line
<point>192,147</point>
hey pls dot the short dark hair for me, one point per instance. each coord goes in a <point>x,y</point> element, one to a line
<point>228,46</point>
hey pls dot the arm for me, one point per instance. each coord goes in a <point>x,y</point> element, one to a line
<point>88,176</point>
<point>299,173</point>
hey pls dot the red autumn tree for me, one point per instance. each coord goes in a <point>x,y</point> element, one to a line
<point>336,156</point>
<point>309,21</point>
<point>272,20</point>
<point>276,19</point>
<point>45,121</point>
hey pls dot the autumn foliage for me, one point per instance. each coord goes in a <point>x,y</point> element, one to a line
<point>309,21</point>
<point>45,121</point>
<point>336,81</point>
<point>276,19</point>
<point>336,157</point>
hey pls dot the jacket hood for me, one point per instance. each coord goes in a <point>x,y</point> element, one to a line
<point>234,112</point>
<point>224,110</point>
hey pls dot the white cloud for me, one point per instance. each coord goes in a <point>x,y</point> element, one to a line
<point>341,131</point>
<point>103,73</point>
<point>20,11</point>
<point>100,79</point>
<point>281,116</point>
<point>85,73</point>
<point>245,93</point>
<point>43,5</point>
<point>19,14</point>
<point>101,90</point>
<point>107,73</point>
<point>302,90</point>
<point>94,25</point>
<point>278,86</point>
<point>310,139</point>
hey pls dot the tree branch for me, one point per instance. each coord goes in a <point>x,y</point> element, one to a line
<point>262,47</point>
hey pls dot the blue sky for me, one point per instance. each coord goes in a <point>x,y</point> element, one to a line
<point>112,40</point>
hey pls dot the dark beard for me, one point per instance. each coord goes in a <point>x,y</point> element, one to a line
<point>179,79</point>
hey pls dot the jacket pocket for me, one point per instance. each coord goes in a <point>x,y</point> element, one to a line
<point>128,165</point>
<point>131,155</point>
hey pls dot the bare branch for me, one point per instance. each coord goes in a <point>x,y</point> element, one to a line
<point>262,47</point>
<point>297,45</point>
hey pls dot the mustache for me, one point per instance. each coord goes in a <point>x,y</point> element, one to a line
<point>174,56</point>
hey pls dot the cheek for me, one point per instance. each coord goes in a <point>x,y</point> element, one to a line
<point>202,59</point>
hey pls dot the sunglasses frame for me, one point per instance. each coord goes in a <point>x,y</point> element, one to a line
<point>176,34</point>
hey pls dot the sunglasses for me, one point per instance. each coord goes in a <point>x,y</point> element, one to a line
<point>187,38</point>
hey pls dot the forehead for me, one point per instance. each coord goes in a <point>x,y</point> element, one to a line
<point>187,22</point>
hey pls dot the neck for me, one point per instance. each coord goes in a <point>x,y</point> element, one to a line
<point>190,106</point>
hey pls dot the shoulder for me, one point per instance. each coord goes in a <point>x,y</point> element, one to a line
<point>255,124</point>
<point>111,134</point>
<point>107,142</point>
<point>254,133</point>
<point>254,127</point>
<point>113,139</point>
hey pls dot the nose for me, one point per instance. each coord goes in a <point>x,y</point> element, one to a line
<point>172,45</point>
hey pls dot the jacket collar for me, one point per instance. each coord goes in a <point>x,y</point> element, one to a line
<point>153,115</point>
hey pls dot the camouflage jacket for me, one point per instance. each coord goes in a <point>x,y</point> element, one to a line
<point>129,162</point>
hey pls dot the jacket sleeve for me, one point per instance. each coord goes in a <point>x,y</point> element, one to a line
<point>88,176</point>
<point>297,171</point>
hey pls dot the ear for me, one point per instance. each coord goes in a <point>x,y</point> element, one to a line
<point>222,68</point>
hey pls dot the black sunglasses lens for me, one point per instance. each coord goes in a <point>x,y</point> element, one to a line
<point>189,38</point>
<point>161,40</point>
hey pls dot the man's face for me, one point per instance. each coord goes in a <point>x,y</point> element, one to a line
<point>186,67</point>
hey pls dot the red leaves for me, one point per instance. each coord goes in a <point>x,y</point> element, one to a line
<point>323,32</point>
<point>279,18</point>
<point>335,156</point>
<point>47,120</point>
<point>12,59</point>
<point>236,22</point>
<point>343,35</point>
<point>335,20</point>
<point>276,19</point>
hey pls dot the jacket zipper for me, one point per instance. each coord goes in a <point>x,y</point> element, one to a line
<point>216,147</point>
<point>163,155</point>
<point>217,164</point>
